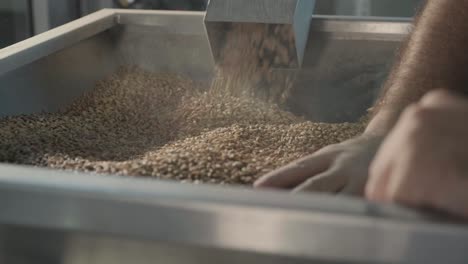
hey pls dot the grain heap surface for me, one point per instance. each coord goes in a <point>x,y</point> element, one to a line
<point>166,126</point>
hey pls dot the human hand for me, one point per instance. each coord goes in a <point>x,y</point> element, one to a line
<point>337,168</point>
<point>424,160</point>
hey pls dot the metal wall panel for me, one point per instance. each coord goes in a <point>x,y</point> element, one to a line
<point>15,24</point>
<point>48,14</point>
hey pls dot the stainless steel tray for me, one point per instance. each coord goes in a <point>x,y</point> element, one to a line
<point>62,217</point>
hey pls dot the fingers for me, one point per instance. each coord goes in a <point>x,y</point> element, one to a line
<point>404,186</point>
<point>332,180</point>
<point>331,169</point>
<point>396,172</point>
<point>420,163</point>
<point>380,170</point>
<point>297,172</point>
<point>379,177</point>
<point>442,98</point>
<point>356,185</point>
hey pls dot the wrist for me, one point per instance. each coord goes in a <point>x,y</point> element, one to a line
<point>382,122</point>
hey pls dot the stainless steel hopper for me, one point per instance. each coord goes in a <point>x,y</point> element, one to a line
<point>61,217</point>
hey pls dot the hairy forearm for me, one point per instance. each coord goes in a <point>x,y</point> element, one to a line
<point>435,56</point>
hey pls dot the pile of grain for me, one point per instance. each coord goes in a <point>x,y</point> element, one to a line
<point>231,155</point>
<point>165,126</point>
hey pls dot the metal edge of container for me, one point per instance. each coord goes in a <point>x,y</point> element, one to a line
<point>191,24</point>
<point>268,222</point>
<point>44,44</point>
<point>362,28</point>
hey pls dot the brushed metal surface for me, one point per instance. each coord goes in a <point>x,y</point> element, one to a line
<point>44,44</point>
<point>253,11</point>
<point>313,227</point>
<point>20,245</point>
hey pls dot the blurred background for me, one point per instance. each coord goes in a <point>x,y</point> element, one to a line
<point>20,19</point>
